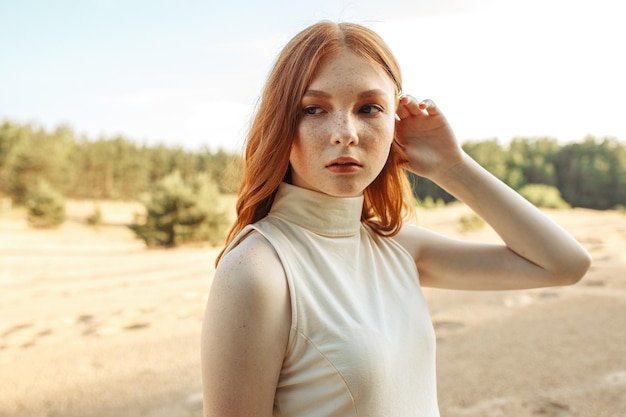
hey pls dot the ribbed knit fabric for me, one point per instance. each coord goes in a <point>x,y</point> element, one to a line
<point>361,340</point>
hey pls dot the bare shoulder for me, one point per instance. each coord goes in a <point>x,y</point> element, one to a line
<point>251,266</point>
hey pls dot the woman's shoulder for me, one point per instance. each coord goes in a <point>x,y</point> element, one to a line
<point>252,267</point>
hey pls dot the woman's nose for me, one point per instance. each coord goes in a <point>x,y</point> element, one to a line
<point>345,131</point>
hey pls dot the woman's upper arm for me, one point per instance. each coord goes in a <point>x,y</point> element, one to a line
<point>245,332</point>
<point>449,263</point>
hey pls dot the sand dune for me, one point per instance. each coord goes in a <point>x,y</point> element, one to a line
<point>93,325</point>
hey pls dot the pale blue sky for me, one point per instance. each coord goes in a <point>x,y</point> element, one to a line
<point>188,72</point>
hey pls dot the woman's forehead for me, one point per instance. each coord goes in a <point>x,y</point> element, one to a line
<point>350,67</point>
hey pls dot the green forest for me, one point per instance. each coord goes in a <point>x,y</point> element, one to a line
<point>106,168</point>
<point>590,173</point>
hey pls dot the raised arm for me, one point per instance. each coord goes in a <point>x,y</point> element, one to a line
<point>536,251</point>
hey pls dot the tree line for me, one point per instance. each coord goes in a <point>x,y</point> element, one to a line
<point>590,173</point>
<point>106,168</point>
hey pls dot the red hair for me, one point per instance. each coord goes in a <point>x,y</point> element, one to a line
<point>268,146</point>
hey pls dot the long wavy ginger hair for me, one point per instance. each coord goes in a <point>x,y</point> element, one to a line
<point>268,146</point>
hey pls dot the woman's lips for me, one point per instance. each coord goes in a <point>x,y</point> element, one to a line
<point>344,165</point>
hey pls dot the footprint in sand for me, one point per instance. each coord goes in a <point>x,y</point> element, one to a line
<point>504,407</point>
<point>23,335</point>
<point>16,328</point>
<point>88,323</point>
<point>549,408</point>
<point>93,327</point>
<point>136,326</point>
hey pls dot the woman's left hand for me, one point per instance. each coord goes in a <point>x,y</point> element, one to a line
<point>426,137</point>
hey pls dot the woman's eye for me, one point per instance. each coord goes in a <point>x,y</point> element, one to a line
<point>371,109</point>
<point>312,110</point>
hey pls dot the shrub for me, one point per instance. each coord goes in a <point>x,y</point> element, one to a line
<point>545,196</point>
<point>95,218</point>
<point>620,208</point>
<point>429,202</point>
<point>46,206</point>
<point>179,211</point>
<point>471,222</point>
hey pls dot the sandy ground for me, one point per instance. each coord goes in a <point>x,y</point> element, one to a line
<point>93,325</point>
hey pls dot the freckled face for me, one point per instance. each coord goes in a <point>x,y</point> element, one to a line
<point>346,128</point>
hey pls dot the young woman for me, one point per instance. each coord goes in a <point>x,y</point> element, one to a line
<point>316,306</point>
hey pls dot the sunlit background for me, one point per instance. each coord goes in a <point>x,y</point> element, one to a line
<point>189,72</point>
<point>92,323</point>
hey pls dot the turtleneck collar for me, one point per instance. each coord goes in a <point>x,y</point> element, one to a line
<point>320,213</point>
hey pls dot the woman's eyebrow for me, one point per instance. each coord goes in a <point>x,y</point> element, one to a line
<point>316,93</point>
<point>371,93</point>
<point>362,95</point>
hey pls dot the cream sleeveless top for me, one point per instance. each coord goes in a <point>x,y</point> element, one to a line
<point>361,341</point>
